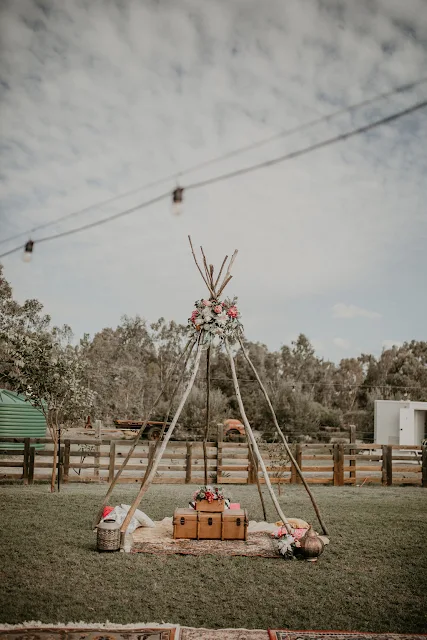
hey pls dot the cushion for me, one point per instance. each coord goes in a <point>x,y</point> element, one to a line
<point>142,518</point>
<point>296,523</point>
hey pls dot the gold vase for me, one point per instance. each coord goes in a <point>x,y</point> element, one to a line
<point>311,545</point>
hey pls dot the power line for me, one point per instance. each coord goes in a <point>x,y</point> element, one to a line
<point>362,386</point>
<point>239,172</point>
<point>226,156</point>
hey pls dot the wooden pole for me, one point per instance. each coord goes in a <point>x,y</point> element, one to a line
<point>387,465</point>
<point>67,451</point>
<point>284,440</point>
<point>188,462</point>
<point>338,465</point>
<point>424,466</point>
<point>256,477</point>
<point>112,461</point>
<point>149,478</point>
<point>140,432</point>
<point>352,463</point>
<point>256,451</point>
<point>26,460</point>
<point>208,412</point>
<point>31,465</point>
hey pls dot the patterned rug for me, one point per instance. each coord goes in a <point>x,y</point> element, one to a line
<point>283,634</point>
<point>161,632</point>
<point>159,541</point>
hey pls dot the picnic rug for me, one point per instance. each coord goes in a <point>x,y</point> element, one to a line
<point>283,634</point>
<point>90,632</point>
<point>153,631</point>
<point>159,540</point>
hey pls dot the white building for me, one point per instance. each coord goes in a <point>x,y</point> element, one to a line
<point>399,422</point>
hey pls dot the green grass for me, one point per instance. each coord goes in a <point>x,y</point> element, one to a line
<point>372,577</point>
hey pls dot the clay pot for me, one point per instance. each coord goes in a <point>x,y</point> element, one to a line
<point>311,545</point>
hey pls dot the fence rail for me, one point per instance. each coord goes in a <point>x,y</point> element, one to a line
<point>97,460</point>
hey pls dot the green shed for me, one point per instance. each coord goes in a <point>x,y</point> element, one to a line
<point>19,419</point>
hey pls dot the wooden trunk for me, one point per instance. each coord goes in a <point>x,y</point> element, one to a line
<point>209,525</point>
<point>185,523</point>
<point>213,507</point>
<point>234,524</point>
<point>231,524</point>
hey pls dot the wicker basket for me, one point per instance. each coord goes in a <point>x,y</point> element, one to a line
<point>108,538</point>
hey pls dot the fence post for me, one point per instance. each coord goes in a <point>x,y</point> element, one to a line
<point>188,462</point>
<point>295,479</point>
<point>353,452</point>
<point>112,461</point>
<point>424,467</point>
<point>387,465</point>
<point>97,461</point>
<point>220,437</point>
<point>61,465</point>
<point>26,460</point>
<point>338,465</point>
<point>67,449</point>
<point>219,461</point>
<point>31,465</point>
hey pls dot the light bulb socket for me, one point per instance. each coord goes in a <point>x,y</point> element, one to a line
<point>177,195</point>
<point>29,247</point>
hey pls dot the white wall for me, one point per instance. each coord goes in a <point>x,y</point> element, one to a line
<point>399,422</point>
<point>419,420</point>
<point>387,421</point>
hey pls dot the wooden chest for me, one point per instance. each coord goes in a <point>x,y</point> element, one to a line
<point>215,506</point>
<point>231,524</point>
<point>235,524</point>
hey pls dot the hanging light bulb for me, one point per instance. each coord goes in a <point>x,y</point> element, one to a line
<point>177,201</point>
<point>293,388</point>
<point>28,251</point>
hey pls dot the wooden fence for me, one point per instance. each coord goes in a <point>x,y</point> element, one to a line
<point>96,460</point>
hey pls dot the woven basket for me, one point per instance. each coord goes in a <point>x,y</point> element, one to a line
<point>108,538</point>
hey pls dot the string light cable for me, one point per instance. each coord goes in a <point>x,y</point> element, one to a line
<point>239,172</point>
<point>284,133</point>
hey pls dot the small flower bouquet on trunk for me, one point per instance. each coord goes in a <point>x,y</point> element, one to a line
<point>209,498</point>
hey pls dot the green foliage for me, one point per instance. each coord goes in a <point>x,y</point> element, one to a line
<point>121,370</point>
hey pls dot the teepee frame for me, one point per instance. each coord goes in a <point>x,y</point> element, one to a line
<point>215,288</point>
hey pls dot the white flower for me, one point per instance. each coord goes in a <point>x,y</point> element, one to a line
<point>222,319</point>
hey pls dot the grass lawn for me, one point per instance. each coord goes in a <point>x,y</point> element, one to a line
<point>372,577</point>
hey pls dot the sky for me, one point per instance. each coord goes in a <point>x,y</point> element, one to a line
<point>99,98</point>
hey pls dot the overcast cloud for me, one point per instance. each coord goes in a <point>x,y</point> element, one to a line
<point>100,97</point>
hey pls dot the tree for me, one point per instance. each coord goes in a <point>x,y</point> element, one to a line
<point>41,364</point>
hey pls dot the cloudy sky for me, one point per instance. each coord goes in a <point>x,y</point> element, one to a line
<point>101,97</point>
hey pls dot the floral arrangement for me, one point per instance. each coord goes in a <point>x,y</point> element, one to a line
<point>287,544</point>
<point>209,493</point>
<point>217,319</point>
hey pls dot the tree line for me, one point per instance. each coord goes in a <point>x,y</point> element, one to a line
<point>117,373</point>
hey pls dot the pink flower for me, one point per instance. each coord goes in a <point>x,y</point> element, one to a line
<point>218,308</point>
<point>207,303</point>
<point>194,315</point>
<point>232,312</point>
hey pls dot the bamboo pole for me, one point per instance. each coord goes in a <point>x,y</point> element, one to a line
<point>138,435</point>
<point>148,479</point>
<point>220,271</point>
<point>201,272</point>
<point>255,468</point>
<point>254,443</point>
<point>282,436</point>
<point>208,412</point>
